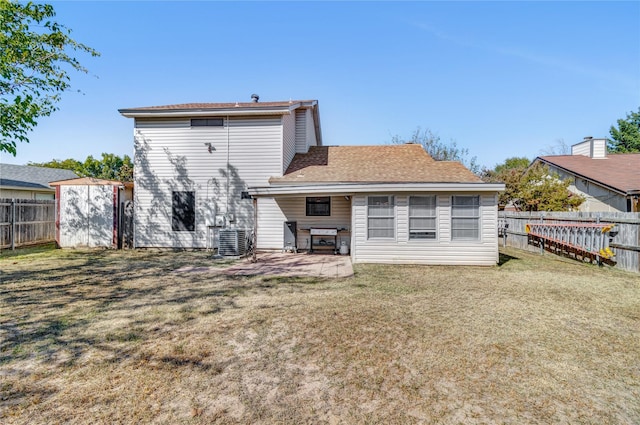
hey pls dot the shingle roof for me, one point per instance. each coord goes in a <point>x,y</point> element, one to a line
<point>408,163</point>
<point>201,106</point>
<point>617,171</point>
<point>30,177</point>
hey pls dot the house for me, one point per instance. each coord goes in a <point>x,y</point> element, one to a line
<point>263,166</point>
<point>89,212</point>
<point>609,182</point>
<point>28,182</point>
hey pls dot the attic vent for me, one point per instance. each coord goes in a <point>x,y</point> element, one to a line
<point>255,98</point>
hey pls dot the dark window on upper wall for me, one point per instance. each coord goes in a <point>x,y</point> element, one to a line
<point>319,206</point>
<point>183,212</point>
<point>207,122</point>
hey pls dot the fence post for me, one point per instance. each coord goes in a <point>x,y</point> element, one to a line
<point>13,224</point>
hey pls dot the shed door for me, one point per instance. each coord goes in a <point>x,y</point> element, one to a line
<point>86,216</point>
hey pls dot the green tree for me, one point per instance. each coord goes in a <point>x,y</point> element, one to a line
<point>439,150</point>
<point>35,60</point>
<point>110,167</point>
<point>626,138</point>
<point>542,190</point>
<point>510,173</point>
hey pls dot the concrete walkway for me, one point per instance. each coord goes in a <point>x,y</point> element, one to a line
<point>283,264</point>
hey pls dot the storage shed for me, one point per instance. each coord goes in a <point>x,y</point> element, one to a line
<point>89,212</point>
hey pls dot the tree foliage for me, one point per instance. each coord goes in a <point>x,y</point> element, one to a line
<point>439,150</point>
<point>35,60</point>
<point>110,167</point>
<point>510,172</point>
<point>626,138</point>
<point>532,188</point>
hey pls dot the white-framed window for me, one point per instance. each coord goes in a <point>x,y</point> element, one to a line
<point>422,217</point>
<point>381,217</point>
<point>465,217</point>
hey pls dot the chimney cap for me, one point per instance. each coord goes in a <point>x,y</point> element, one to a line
<point>255,98</point>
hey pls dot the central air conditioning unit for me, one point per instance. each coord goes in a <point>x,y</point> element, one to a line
<point>232,243</point>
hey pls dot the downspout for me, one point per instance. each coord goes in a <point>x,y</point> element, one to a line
<point>228,144</point>
<point>254,237</point>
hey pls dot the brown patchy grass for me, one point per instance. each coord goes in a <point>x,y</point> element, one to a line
<point>119,337</point>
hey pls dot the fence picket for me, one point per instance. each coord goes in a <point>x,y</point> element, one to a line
<point>26,222</point>
<point>626,244</point>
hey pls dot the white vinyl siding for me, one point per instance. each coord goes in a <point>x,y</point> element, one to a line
<point>170,155</point>
<point>381,217</point>
<point>465,217</point>
<point>422,217</point>
<point>301,131</point>
<point>443,250</point>
<point>289,141</point>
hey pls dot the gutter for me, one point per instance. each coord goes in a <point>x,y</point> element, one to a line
<point>352,188</point>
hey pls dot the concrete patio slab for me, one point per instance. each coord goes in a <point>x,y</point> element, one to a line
<point>285,264</point>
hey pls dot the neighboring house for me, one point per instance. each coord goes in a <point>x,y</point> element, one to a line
<point>200,168</point>
<point>89,211</point>
<point>609,182</point>
<point>28,182</point>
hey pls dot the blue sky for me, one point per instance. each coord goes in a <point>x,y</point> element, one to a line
<point>502,79</point>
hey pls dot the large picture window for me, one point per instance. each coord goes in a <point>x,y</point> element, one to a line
<point>422,217</point>
<point>381,217</point>
<point>319,206</point>
<point>183,211</point>
<point>465,217</point>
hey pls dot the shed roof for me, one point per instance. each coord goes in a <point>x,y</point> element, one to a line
<point>88,181</point>
<point>620,172</point>
<point>29,177</point>
<point>407,163</point>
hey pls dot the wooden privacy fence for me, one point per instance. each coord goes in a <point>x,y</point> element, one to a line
<point>624,241</point>
<point>26,222</point>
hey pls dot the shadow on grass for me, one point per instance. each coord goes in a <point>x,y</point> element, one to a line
<point>35,249</point>
<point>504,259</point>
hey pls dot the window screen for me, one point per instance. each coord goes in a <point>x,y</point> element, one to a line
<point>422,217</point>
<point>319,206</point>
<point>381,217</point>
<point>465,217</point>
<point>183,211</point>
<point>207,122</point>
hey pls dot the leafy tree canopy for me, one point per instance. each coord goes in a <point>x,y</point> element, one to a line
<point>510,173</point>
<point>541,190</point>
<point>626,138</point>
<point>110,167</point>
<point>531,188</point>
<point>439,150</point>
<point>35,58</point>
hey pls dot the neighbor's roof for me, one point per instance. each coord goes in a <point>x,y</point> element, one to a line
<point>407,163</point>
<point>31,178</point>
<point>620,172</point>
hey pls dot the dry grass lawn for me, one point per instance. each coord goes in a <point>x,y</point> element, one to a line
<point>92,337</point>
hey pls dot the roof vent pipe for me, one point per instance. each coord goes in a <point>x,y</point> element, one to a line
<point>255,98</point>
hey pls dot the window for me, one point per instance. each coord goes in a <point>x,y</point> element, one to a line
<point>319,206</point>
<point>422,217</point>
<point>207,122</point>
<point>183,211</point>
<point>465,217</point>
<point>381,217</point>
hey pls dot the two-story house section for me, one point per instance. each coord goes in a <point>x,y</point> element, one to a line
<point>195,162</point>
<point>263,167</point>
